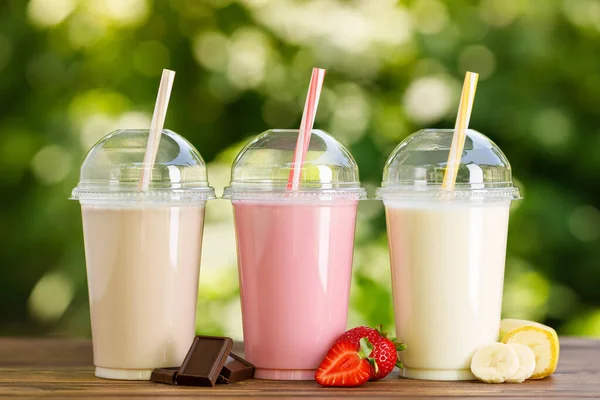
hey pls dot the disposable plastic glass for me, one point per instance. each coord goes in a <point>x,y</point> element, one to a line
<point>294,250</point>
<point>142,251</point>
<point>447,249</point>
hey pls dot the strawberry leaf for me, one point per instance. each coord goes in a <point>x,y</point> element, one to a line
<point>399,364</point>
<point>400,346</point>
<point>366,348</point>
<point>379,328</point>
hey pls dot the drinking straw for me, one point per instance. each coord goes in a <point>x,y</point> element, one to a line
<point>306,125</point>
<point>156,126</point>
<point>460,129</point>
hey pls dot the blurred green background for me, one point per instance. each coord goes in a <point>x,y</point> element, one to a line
<point>72,71</point>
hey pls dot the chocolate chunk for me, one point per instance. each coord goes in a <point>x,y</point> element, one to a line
<point>204,361</point>
<point>165,375</point>
<point>236,369</point>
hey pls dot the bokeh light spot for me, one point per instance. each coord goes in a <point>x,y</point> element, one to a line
<point>477,59</point>
<point>500,13</point>
<point>47,13</point>
<point>584,13</point>
<point>211,50</point>
<point>351,115</point>
<point>133,120</point>
<point>127,12</point>
<point>428,99</point>
<point>351,30</point>
<point>552,128</point>
<point>350,27</point>
<point>389,22</point>
<point>248,57</point>
<point>50,297</point>
<point>95,102</point>
<point>51,164</point>
<point>431,16</point>
<point>96,126</point>
<point>85,31</point>
<point>276,83</point>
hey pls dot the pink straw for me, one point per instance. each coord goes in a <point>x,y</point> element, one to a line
<point>306,126</point>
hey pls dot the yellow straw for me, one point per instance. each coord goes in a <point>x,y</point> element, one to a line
<point>460,129</point>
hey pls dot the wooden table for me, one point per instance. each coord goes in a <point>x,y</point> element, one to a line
<point>63,368</point>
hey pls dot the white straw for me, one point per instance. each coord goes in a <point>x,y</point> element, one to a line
<point>156,127</point>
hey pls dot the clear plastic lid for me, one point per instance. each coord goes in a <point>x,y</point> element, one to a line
<point>112,169</point>
<point>416,168</point>
<point>262,168</point>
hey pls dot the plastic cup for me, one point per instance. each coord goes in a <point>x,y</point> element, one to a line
<point>294,250</point>
<point>447,250</point>
<point>142,251</point>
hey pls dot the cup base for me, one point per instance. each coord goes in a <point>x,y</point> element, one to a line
<point>123,374</point>
<point>438,374</point>
<point>285,374</point>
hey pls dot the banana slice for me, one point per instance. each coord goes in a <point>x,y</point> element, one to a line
<point>544,343</point>
<point>526,363</point>
<point>494,363</point>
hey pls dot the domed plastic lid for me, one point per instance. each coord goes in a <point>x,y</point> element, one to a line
<point>112,169</point>
<point>262,168</point>
<point>416,168</point>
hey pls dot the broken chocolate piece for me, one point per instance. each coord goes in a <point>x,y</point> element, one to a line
<point>165,375</point>
<point>236,369</point>
<point>204,361</point>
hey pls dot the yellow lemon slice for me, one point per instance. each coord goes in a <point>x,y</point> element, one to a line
<point>542,340</point>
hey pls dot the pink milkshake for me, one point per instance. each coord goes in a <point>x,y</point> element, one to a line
<point>294,251</point>
<point>295,267</point>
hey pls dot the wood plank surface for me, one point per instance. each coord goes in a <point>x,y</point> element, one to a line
<point>63,369</point>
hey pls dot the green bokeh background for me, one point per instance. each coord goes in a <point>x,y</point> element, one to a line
<point>72,71</point>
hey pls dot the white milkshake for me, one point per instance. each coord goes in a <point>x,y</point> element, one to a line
<point>142,268</point>
<point>447,264</point>
<point>447,249</point>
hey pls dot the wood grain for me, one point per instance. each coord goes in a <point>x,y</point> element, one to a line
<point>63,369</point>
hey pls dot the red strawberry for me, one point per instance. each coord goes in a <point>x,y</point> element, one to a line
<point>385,350</point>
<point>355,334</point>
<point>346,364</point>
